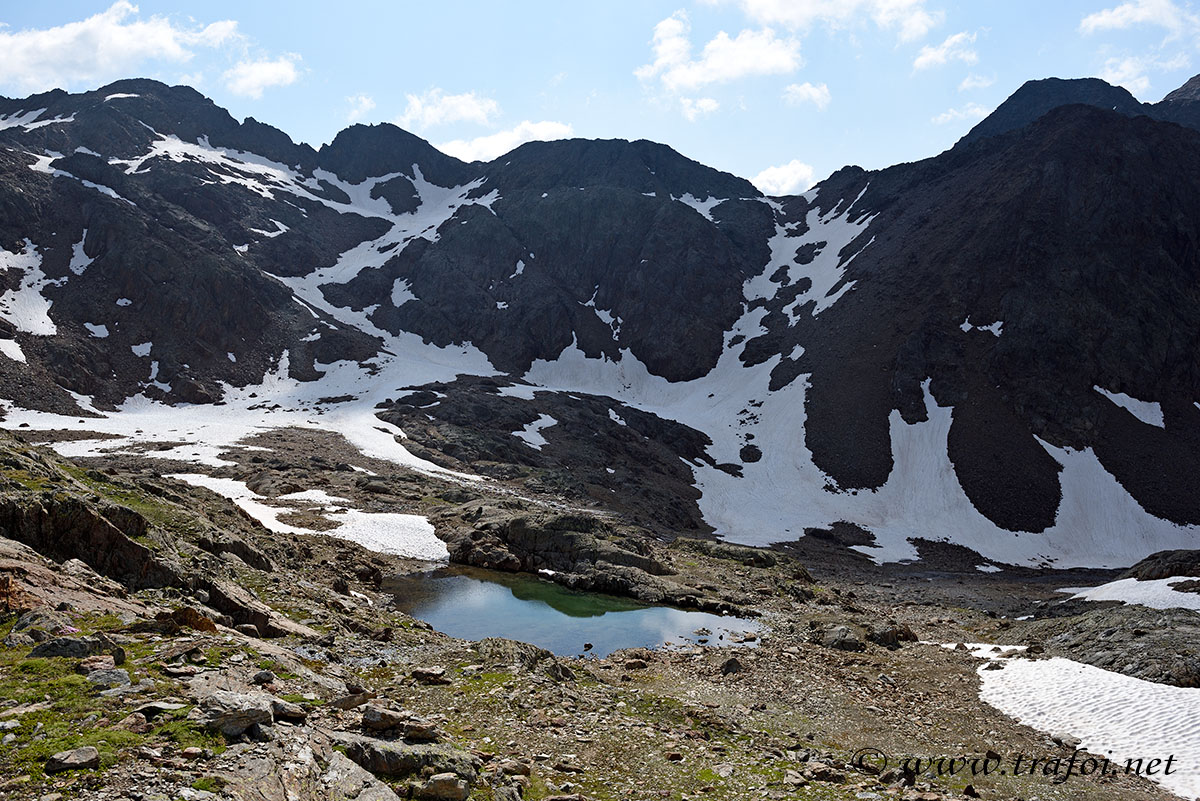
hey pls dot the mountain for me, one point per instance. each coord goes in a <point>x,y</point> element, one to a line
<point>1035,98</point>
<point>994,347</point>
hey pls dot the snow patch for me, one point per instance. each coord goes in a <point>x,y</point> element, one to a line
<point>402,292</point>
<point>79,260</point>
<point>97,331</point>
<point>1112,714</point>
<point>520,269</point>
<point>25,307</point>
<point>142,349</point>
<point>703,207</point>
<point>995,329</point>
<point>1149,412</point>
<point>1154,593</point>
<point>531,433</point>
<point>12,350</point>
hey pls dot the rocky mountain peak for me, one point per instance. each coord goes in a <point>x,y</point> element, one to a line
<point>1189,92</point>
<point>1035,98</point>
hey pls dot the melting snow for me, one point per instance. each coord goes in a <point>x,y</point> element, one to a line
<point>142,349</point>
<point>411,536</point>
<point>402,292</point>
<point>520,269</point>
<point>124,302</point>
<point>79,260</point>
<point>704,207</point>
<point>1149,412</point>
<point>1112,714</point>
<point>531,434</point>
<point>28,120</point>
<point>119,95</point>
<point>25,307</point>
<point>995,329</point>
<point>825,271</point>
<point>1155,593</point>
<point>97,331</point>
<point>12,350</point>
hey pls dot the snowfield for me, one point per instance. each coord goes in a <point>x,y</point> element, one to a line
<point>1113,715</point>
<point>1155,593</point>
<point>1098,523</point>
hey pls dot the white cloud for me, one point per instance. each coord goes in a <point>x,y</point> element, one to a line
<point>435,107</point>
<point>910,18</point>
<point>971,111</point>
<point>360,106</point>
<point>785,179</point>
<point>1132,72</point>
<point>694,108</point>
<point>250,78</point>
<point>487,148</point>
<point>1162,13</point>
<point>723,58</point>
<point>974,81</point>
<point>105,46</point>
<point>956,47</point>
<point>798,93</point>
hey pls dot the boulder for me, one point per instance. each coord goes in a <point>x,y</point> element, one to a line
<point>407,759</point>
<point>233,713</point>
<point>444,787</point>
<point>75,759</point>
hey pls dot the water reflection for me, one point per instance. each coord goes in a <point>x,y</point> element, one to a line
<point>473,604</point>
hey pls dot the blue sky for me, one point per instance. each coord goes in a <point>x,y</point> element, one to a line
<point>779,91</point>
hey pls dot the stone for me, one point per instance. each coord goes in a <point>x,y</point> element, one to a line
<point>98,662</point>
<point>192,753</point>
<point>286,710</point>
<point>134,722</point>
<point>83,758</point>
<point>117,677</point>
<point>444,787</point>
<point>233,713</point>
<point>263,677</point>
<point>430,675</point>
<point>635,664</point>
<point>249,629</point>
<point>72,647</point>
<point>842,638</point>
<point>406,759</point>
<point>377,718</point>
<point>345,780</point>
<point>732,665</point>
<point>352,701</point>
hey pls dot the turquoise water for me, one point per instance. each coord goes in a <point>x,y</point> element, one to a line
<point>474,604</point>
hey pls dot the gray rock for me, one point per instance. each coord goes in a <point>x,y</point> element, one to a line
<point>116,677</point>
<point>73,647</point>
<point>377,718</point>
<point>444,787</point>
<point>407,759</point>
<point>842,638</point>
<point>233,713</point>
<point>76,759</point>
<point>346,781</point>
<point>263,677</point>
<point>286,710</point>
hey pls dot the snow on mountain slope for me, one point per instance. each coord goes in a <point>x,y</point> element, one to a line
<point>823,343</point>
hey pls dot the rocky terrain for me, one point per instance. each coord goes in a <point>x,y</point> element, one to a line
<point>248,387</point>
<point>161,644</point>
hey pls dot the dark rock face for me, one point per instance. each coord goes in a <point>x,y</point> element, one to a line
<point>1053,251</point>
<point>596,449</point>
<point>1077,312</point>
